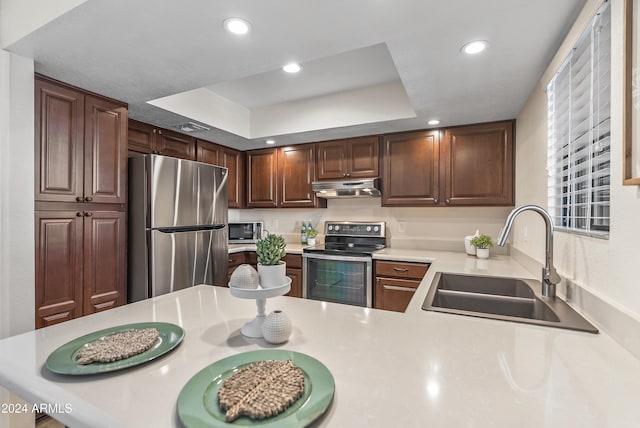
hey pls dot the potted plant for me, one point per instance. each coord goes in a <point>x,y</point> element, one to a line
<point>482,244</point>
<point>271,270</point>
<point>312,233</point>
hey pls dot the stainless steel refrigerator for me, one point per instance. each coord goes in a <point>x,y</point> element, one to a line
<point>178,235</point>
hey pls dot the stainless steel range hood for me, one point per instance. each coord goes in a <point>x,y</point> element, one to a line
<point>364,188</point>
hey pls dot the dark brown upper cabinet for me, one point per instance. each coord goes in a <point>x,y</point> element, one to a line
<point>462,166</point>
<point>81,145</point>
<point>411,169</point>
<point>145,138</point>
<point>348,158</point>
<point>296,173</point>
<point>262,178</point>
<point>233,160</point>
<point>282,177</point>
<point>478,164</point>
<point>142,138</point>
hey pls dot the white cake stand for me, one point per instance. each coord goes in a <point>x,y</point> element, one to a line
<point>253,328</point>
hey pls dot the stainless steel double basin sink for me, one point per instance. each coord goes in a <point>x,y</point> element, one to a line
<point>501,298</point>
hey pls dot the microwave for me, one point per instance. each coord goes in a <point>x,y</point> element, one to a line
<point>244,233</point>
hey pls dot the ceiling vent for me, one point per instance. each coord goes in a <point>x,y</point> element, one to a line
<point>192,127</point>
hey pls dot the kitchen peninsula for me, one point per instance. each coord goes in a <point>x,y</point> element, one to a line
<point>411,369</point>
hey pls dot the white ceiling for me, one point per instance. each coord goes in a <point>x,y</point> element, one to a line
<point>138,51</point>
<point>360,68</point>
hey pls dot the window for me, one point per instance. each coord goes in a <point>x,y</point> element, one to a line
<point>579,133</point>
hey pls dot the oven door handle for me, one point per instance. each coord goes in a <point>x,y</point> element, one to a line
<point>338,258</point>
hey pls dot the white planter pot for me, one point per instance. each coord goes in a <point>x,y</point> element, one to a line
<point>311,241</point>
<point>272,275</point>
<point>482,253</point>
<point>276,327</point>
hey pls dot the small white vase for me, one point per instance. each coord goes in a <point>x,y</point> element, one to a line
<point>276,327</point>
<point>245,276</point>
<point>482,253</point>
<point>311,241</point>
<point>272,275</point>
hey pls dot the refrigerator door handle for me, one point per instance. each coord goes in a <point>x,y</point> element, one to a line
<point>190,228</point>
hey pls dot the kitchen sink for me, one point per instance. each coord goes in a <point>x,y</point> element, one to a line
<point>501,298</point>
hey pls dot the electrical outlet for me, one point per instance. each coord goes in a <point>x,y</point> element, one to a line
<point>401,226</point>
<point>525,233</point>
<point>274,223</point>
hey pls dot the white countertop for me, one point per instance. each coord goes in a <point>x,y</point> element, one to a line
<point>412,369</point>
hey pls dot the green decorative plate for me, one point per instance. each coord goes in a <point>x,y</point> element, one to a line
<point>63,360</point>
<point>198,400</point>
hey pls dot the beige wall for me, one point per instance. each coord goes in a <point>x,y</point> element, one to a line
<point>16,209</point>
<point>608,269</point>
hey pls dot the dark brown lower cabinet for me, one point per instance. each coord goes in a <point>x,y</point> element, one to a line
<point>235,260</point>
<point>396,283</point>
<point>294,268</point>
<point>294,271</point>
<point>80,263</point>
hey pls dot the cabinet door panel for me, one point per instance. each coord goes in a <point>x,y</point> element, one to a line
<point>332,160</point>
<point>105,159</point>
<point>104,261</point>
<point>141,137</point>
<point>296,282</point>
<point>410,169</point>
<point>394,294</point>
<point>297,168</point>
<point>207,152</point>
<point>363,157</point>
<point>58,288</point>
<point>233,160</point>
<point>59,142</point>
<point>262,169</point>
<point>479,164</point>
<point>175,144</point>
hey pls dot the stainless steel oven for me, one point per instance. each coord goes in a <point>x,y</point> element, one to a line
<point>341,271</point>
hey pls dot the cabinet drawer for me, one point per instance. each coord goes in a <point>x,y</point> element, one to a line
<point>401,269</point>
<point>236,259</point>
<point>293,261</point>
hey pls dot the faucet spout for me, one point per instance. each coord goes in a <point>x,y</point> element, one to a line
<point>549,275</point>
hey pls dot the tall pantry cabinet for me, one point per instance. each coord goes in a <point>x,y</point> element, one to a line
<point>80,202</point>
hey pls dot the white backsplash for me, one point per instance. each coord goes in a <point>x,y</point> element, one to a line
<point>438,228</point>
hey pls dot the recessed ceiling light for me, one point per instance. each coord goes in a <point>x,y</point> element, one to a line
<point>474,47</point>
<point>237,26</point>
<point>270,142</point>
<point>434,122</point>
<point>292,67</point>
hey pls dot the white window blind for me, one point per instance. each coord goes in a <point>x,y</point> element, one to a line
<point>579,133</point>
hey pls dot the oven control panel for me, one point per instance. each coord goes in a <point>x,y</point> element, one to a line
<point>352,228</point>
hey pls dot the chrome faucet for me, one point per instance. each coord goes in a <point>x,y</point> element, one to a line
<point>549,275</point>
